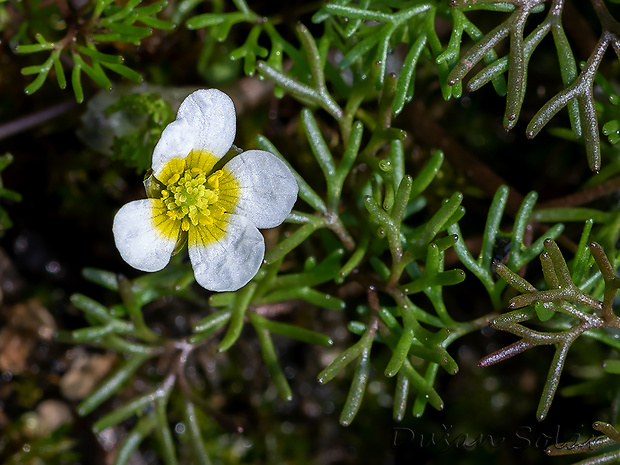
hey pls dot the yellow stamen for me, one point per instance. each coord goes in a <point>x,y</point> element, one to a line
<point>193,198</point>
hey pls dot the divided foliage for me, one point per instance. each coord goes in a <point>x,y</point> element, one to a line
<point>369,236</point>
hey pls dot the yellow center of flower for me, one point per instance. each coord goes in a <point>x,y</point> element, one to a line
<point>194,198</point>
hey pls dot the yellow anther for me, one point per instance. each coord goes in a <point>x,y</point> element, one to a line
<point>192,198</point>
<point>214,179</point>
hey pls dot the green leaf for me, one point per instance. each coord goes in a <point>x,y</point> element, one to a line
<point>132,441</point>
<point>242,301</point>
<point>291,242</point>
<point>130,408</point>
<point>357,389</point>
<point>124,71</point>
<point>295,332</point>
<point>612,366</point>
<point>191,419</point>
<point>112,384</point>
<point>270,357</point>
<point>106,279</point>
<point>76,82</point>
<point>33,48</point>
<point>214,19</point>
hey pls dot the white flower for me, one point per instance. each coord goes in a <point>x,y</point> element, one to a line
<point>217,211</point>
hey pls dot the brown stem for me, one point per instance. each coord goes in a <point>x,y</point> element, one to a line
<point>27,122</point>
<point>425,128</point>
<point>578,29</point>
<point>608,23</point>
<point>585,196</point>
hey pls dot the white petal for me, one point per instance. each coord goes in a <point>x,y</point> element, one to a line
<point>230,263</point>
<point>176,141</point>
<point>268,188</point>
<point>137,240</point>
<point>206,121</point>
<point>210,114</point>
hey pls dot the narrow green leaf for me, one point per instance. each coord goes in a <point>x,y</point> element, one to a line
<point>582,256</point>
<point>271,359</point>
<point>128,409</point>
<point>33,48</point>
<point>406,81</point>
<point>356,257</point>
<point>157,23</point>
<point>358,388</point>
<point>400,352</point>
<point>402,199</point>
<point>295,332</point>
<point>76,82</point>
<point>288,244</point>
<point>215,319</point>
<point>422,399</point>
<point>439,221</point>
<point>200,456</point>
<point>38,82</point>
<point>60,72</point>
<point>341,361</point>
<point>401,393</point>
<point>101,57</point>
<point>428,173</point>
<point>134,310</point>
<point>36,69</point>
<point>313,57</point>
<point>381,268</point>
<point>132,441</point>
<point>553,379</point>
<point>491,228</point>
<point>97,332</point>
<point>119,344</point>
<point>317,143</point>
<point>112,384</point>
<point>150,9</point>
<point>124,71</point>
<point>92,308</point>
<point>104,278</point>
<point>213,19</point>
<point>168,450</point>
<point>570,214</point>
<point>306,293</point>
<point>242,301</point>
<point>97,74</point>
<point>359,50</point>
<point>612,366</point>
<point>115,14</point>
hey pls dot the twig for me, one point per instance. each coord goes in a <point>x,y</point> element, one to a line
<point>35,119</point>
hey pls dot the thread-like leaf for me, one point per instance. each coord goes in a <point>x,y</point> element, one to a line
<point>271,359</point>
<point>111,384</point>
<point>132,441</point>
